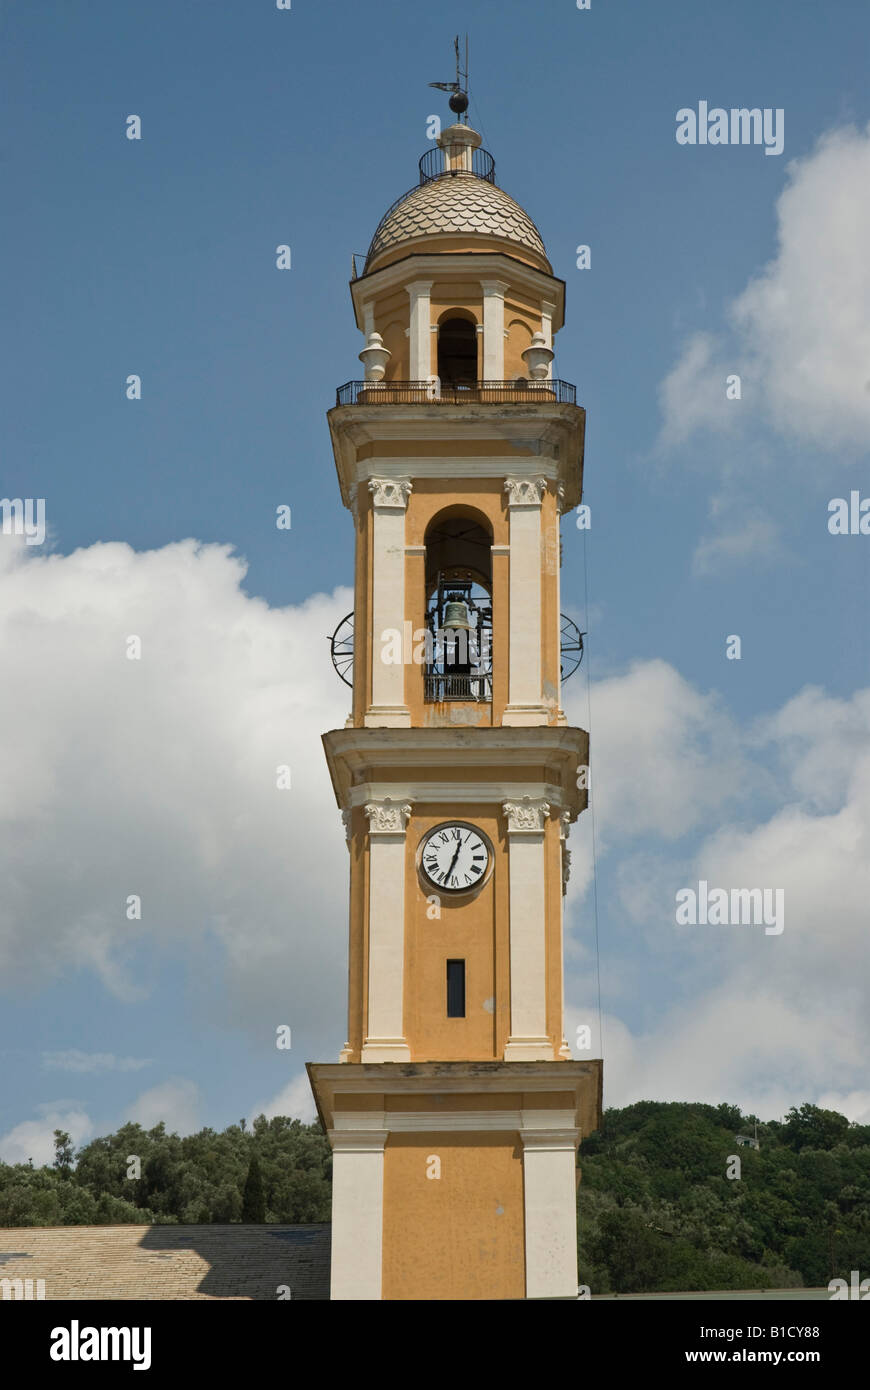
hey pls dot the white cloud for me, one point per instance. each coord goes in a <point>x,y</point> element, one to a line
<point>692,395</point>
<point>175,1102</point>
<point>855,1104</point>
<point>294,1099</point>
<point>745,1045</point>
<point>662,754</point>
<point>751,540</point>
<point>764,1021</point>
<point>800,330</point>
<point>157,777</point>
<point>74,1060</point>
<point>35,1138</point>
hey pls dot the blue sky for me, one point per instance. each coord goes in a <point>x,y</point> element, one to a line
<point>157,257</point>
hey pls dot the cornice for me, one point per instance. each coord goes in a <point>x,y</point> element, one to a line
<point>557,749</point>
<point>549,435</point>
<point>450,265</point>
<point>581,1081</point>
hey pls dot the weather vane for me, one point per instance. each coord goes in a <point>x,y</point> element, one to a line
<point>459,99</point>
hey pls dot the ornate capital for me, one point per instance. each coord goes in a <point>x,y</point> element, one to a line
<point>346,817</point>
<point>525,492</point>
<point>387,492</point>
<point>566,868</point>
<point>387,817</point>
<point>526,816</point>
<point>564,824</point>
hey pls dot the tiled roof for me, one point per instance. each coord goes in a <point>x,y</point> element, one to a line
<point>460,204</point>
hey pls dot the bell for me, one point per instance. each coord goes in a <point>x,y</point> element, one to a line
<point>456,616</point>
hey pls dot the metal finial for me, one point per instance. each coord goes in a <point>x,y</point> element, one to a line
<point>458,102</point>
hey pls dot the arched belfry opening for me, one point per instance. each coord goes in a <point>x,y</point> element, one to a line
<point>457,352</point>
<point>458,608</point>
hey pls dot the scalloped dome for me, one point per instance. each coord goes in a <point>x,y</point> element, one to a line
<point>449,205</point>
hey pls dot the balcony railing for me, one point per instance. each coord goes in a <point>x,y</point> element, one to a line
<point>435,164</point>
<point>519,392</point>
<point>445,686</point>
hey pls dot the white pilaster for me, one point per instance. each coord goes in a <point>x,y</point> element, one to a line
<point>550,1195</point>
<point>390,501</point>
<point>385,1040</point>
<point>357,1214</point>
<point>493,329</point>
<point>525,704</point>
<point>528,1040</point>
<point>419,336</point>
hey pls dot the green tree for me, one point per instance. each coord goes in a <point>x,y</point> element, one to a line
<point>812,1128</point>
<point>63,1153</point>
<point>253,1196</point>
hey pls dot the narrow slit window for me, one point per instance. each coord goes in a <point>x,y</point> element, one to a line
<point>456,989</point>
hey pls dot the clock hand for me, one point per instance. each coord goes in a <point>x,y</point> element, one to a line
<point>455,857</point>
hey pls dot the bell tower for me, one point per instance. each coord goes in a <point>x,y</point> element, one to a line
<point>455,1109</point>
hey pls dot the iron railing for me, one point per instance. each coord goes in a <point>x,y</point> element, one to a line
<point>445,686</point>
<point>521,391</point>
<point>434,164</point>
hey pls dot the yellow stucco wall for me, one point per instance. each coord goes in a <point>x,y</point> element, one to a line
<point>466,1238</point>
<point>474,928</point>
<point>460,297</point>
<point>482,500</point>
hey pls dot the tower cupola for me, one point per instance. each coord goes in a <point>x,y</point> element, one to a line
<point>457,289</point>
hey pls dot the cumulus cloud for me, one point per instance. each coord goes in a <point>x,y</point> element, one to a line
<point>750,1047</point>
<point>662,753</point>
<point>176,1102</point>
<point>157,778</point>
<point>799,333</point>
<point>295,1099</point>
<point>754,538</point>
<point>692,395</point>
<point>34,1139</point>
<point>763,1020</point>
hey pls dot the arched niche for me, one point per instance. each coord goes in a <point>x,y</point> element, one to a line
<point>458,573</point>
<point>457,348</point>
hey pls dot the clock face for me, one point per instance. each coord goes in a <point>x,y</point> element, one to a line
<point>454,857</point>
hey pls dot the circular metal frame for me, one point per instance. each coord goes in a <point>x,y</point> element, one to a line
<point>341,649</point>
<point>570,647</point>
